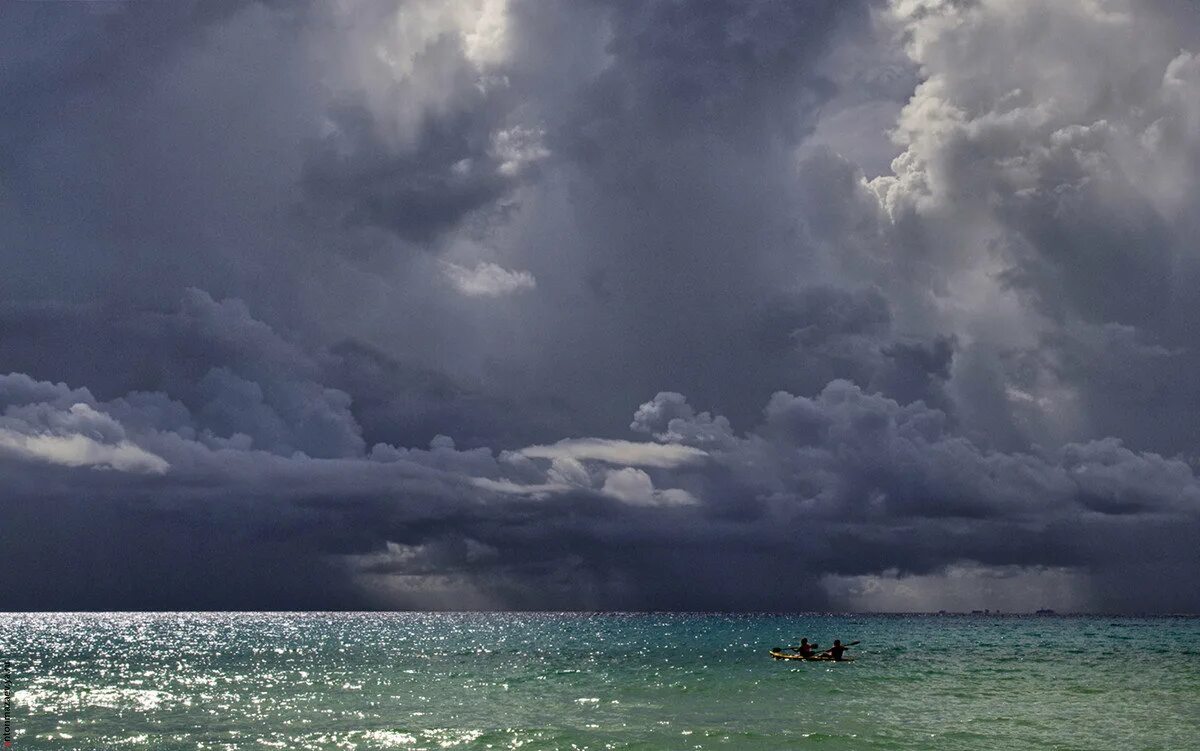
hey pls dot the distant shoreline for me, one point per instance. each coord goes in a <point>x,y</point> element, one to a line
<point>588,613</point>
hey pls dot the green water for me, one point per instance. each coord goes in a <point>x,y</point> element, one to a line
<point>566,681</point>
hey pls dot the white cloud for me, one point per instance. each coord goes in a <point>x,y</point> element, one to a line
<point>75,449</point>
<point>628,453</point>
<point>635,487</point>
<point>515,488</point>
<point>487,280</point>
<point>517,147</point>
<point>485,32</point>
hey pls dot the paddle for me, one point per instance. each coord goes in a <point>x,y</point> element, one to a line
<point>814,646</point>
<point>850,644</point>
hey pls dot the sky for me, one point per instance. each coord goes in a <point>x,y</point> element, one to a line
<point>601,304</point>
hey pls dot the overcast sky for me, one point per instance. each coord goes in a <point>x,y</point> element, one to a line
<point>836,304</point>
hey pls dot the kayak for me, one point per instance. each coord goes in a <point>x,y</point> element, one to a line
<point>779,654</point>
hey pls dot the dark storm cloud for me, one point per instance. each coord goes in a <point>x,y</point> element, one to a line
<point>255,253</point>
<point>845,483</point>
<point>821,333</point>
<point>237,375</point>
<point>744,70</point>
<point>395,402</point>
<point>105,40</point>
<point>419,193</point>
<point>682,183</point>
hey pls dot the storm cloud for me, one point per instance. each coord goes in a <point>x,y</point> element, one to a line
<point>498,304</point>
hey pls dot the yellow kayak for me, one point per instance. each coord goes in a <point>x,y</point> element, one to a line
<point>779,654</point>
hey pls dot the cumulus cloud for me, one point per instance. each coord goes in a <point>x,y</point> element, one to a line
<point>51,423</point>
<point>632,485</point>
<point>862,477</point>
<point>74,438</point>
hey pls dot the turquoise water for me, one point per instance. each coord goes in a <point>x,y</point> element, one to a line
<point>572,681</point>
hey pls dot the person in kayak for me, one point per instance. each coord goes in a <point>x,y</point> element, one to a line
<point>837,651</point>
<point>805,649</point>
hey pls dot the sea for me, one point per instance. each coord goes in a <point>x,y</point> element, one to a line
<point>597,681</point>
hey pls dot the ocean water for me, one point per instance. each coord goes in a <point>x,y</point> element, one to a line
<point>612,681</point>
